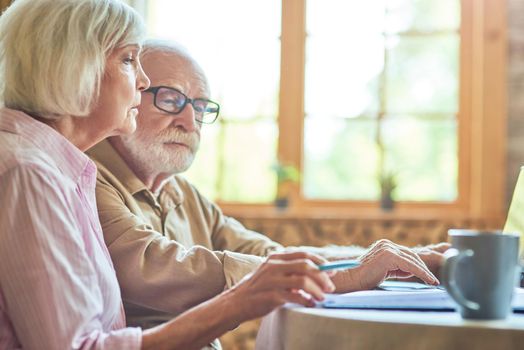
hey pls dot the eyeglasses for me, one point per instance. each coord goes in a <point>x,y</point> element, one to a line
<point>173,101</point>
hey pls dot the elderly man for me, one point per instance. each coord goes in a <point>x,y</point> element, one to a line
<point>171,247</point>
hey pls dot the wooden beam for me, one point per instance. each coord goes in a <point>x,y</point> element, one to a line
<point>488,109</point>
<point>291,105</point>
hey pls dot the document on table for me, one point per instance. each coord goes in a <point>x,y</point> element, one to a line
<point>400,286</point>
<point>404,296</point>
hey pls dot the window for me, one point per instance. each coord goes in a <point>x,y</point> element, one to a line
<point>381,88</point>
<point>347,92</point>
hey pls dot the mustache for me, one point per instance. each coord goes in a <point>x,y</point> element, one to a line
<point>191,139</point>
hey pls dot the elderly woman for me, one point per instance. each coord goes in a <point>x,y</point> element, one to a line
<point>69,77</point>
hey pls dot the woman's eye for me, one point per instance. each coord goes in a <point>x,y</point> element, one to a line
<point>130,59</point>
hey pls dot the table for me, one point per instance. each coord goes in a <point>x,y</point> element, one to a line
<point>293,327</point>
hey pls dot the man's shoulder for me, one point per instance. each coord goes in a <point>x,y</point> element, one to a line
<point>108,183</point>
<point>113,171</point>
<point>103,175</point>
<point>109,187</point>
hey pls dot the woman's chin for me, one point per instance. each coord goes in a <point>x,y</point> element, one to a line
<point>129,125</point>
<point>129,129</point>
<point>126,129</point>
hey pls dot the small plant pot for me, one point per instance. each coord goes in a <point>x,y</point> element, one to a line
<point>387,203</point>
<point>282,203</point>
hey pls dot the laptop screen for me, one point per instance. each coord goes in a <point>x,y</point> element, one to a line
<point>515,219</point>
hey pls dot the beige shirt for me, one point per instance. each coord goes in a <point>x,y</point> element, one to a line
<point>170,251</point>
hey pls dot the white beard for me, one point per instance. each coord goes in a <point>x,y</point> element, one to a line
<point>150,155</point>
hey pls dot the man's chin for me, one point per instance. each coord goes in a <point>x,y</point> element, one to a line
<point>178,168</point>
<point>176,165</point>
<point>176,147</point>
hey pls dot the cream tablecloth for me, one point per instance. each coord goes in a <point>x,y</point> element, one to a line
<point>292,328</point>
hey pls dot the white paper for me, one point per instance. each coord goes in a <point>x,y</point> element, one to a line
<point>415,299</point>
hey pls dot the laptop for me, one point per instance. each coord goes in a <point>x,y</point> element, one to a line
<point>515,219</point>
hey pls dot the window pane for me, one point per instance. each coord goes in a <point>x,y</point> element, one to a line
<point>423,155</point>
<point>237,43</point>
<point>422,74</point>
<point>422,15</point>
<point>381,59</point>
<point>340,158</point>
<point>248,156</point>
<point>344,58</point>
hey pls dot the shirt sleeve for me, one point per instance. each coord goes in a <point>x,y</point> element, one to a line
<point>49,286</point>
<point>232,235</point>
<point>229,234</point>
<point>155,271</point>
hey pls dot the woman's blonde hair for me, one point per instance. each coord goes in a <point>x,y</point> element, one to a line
<point>53,52</point>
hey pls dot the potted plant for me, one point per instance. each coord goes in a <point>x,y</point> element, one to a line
<point>388,184</point>
<point>287,175</point>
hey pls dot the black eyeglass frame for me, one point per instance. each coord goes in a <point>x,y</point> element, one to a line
<point>154,91</point>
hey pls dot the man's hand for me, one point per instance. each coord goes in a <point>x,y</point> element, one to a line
<point>433,255</point>
<point>384,259</point>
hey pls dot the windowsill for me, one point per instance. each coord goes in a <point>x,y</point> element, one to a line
<point>401,212</point>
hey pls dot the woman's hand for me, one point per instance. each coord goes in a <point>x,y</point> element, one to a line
<point>384,259</point>
<point>283,277</point>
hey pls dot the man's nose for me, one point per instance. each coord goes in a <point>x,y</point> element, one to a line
<point>186,119</point>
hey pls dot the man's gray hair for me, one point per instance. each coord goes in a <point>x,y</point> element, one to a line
<point>173,48</point>
<point>165,47</point>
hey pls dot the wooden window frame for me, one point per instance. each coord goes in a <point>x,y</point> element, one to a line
<point>481,123</point>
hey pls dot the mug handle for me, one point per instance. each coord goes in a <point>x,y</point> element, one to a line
<point>453,256</point>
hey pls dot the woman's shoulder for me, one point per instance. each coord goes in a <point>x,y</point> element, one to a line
<point>17,154</point>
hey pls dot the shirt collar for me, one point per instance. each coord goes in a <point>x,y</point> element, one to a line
<point>71,161</point>
<point>107,156</point>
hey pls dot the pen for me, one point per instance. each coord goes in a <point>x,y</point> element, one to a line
<point>341,264</point>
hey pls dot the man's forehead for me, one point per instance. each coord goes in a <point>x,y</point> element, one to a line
<point>170,70</point>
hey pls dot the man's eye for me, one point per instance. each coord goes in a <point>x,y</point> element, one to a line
<point>169,101</point>
<point>173,101</point>
<point>200,106</point>
<point>200,109</point>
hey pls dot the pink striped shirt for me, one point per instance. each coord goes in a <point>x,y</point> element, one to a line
<point>58,288</point>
